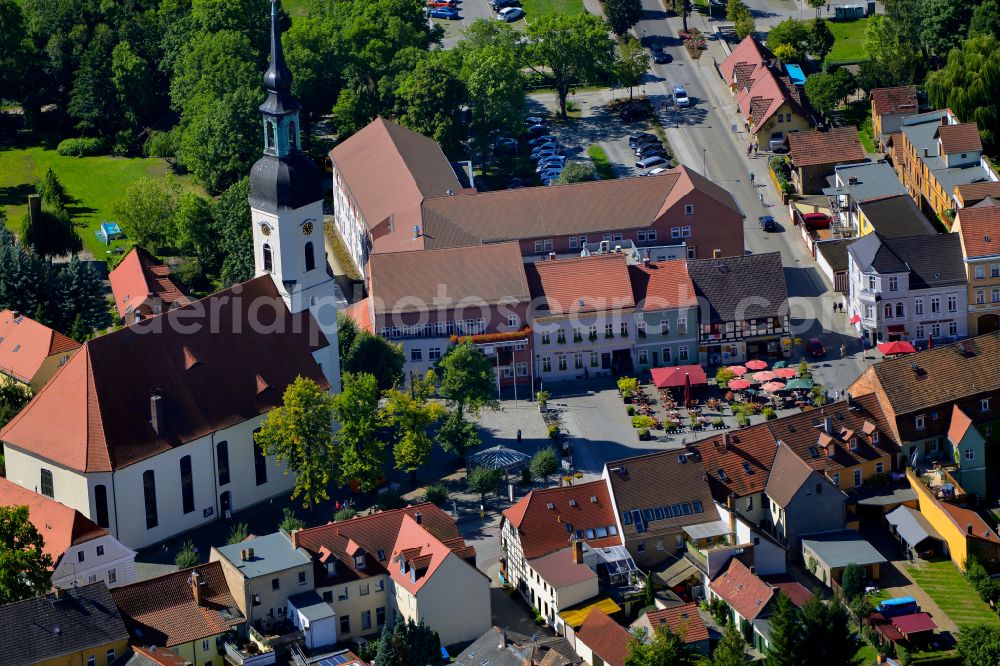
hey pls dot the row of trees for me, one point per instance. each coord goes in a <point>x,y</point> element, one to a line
<point>792,40</point>
<point>667,648</point>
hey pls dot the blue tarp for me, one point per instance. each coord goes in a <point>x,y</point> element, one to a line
<point>796,74</point>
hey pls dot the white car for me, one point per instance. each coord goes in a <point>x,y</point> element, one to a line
<point>510,14</point>
<point>681,97</point>
<point>657,170</point>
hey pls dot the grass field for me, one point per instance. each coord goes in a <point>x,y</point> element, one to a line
<point>533,8</point>
<point>601,163</point>
<point>296,7</point>
<point>949,589</point>
<point>95,183</point>
<point>849,44</point>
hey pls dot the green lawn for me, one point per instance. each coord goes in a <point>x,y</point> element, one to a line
<point>849,44</point>
<point>949,589</point>
<point>534,8</point>
<point>296,7</point>
<point>95,183</point>
<point>866,655</point>
<point>601,163</point>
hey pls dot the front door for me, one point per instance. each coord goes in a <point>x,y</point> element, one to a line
<point>605,360</point>
<point>225,503</point>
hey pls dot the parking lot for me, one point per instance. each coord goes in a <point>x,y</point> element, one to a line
<point>469,11</point>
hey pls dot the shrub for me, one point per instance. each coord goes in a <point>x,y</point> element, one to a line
<point>289,521</point>
<point>238,533</point>
<point>742,420</point>
<point>669,426</point>
<point>390,499</point>
<point>643,421</point>
<point>186,556</point>
<point>161,144</point>
<point>769,414</point>
<point>627,386</point>
<point>437,493</point>
<point>718,422</point>
<point>344,514</point>
<point>630,410</point>
<point>543,398</point>
<point>553,430</point>
<point>723,376</point>
<point>82,147</point>
<point>643,433</point>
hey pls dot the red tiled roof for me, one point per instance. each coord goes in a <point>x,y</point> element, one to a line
<point>26,343</point>
<point>747,594</point>
<point>765,94</point>
<point>684,620</point>
<point>163,609</point>
<point>894,100</point>
<point>605,637</point>
<point>161,657</point>
<point>914,623</point>
<point>424,554</point>
<point>794,590</point>
<point>960,138</point>
<point>584,284</point>
<point>834,146</point>
<point>960,424</point>
<point>94,415</point>
<point>747,56</point>
<point>59,525</point>
<point>965,518</point>
<point>662,285</point>
<point>973,193</point>
<point>139,276</point>
<point>980,228</point>
<point>750,448</point>
<point>361,314</point>
<point>543,530</point>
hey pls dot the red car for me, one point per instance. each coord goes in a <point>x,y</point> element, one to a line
<point>816,221</point>
<point>441,3</point>
<point>816,349</point>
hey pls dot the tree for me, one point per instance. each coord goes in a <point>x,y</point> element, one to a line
<point>792,33</point>
<point>820,40</point>
<point>745,24</point>
<point>969,85</point>
<point>827,637</point>
<point>299,433</point>
<point>289,521</point>
<point>93,101</point>
<point>979,644</point>
<point>187,556</point>
<point>133,80</point>
<point>14,51</point>
<point>816,4</point>
<point>193,225</point>
<point>683,9</point>
<point>852,582</point>
<point>51,233</point>
<point>13,398</point>
<point>233,232</point>
<point>457,435</point>
<point>785,643</point>
<point>731,650</point>
<point>648,593</point>
<point>238,533</point>
<point>146,212</point>
<point>429,98</point>
<point>943,24</point>
<point>623,14</point>
<point>734,8</point>
<point>78,291</point>
<point>53,192</point>
<point>664,647</point>
<point>577,172</point>
<point>26,567</point>
<point>374,354</point>
<point>25,278</point>
<point>347,331</point>
<point>407,644</point>
<point>631,63</point>
<point>483,480</point>
<point>411,415</point>
<point>467,379</point>
<point>892,53</point>
<point>985,19</point>
<point>566,51</point>
<point>360,450</point>
<point>313,53</point>
<point>825,91</point>
<point>544,464</point>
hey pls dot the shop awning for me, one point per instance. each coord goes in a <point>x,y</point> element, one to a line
<point>896,328</point>
<point>673,377</point>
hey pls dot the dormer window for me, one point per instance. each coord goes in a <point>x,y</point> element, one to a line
<point>854,443</point>
<point>331,568</point>
<point>380,554</point>
<point>920,422</point>
<point>875,437</point>
<point>359,561</point>
<point>402,566</point>
<point>984,405</point>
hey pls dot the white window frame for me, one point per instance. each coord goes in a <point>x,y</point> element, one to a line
<point>920,422</point>
<point>689,209</point>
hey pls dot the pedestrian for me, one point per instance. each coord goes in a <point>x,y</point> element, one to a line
<point>834,308</point>
<point>749,149</point>
<point>761,194</point>
<point>843,351</point>
<point>755,149</point>
<point>751,177</point>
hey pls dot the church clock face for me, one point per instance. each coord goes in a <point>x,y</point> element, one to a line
<point>265,228</point>
<point>307,228</point>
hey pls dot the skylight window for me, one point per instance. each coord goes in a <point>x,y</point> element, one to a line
<point>747,468</point>
<point>722,474</point>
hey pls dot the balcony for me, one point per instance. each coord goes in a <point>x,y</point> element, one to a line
<point>256,651</point>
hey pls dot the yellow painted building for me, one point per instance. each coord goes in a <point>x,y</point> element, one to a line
<point>103,655</point>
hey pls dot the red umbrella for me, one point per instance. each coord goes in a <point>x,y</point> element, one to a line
<point>855,319</point>
<point>897,347</point>
<point>687,390</point>
<point>739,384</point>
<point>763,376</point>
<point>930,341</point>
<point>756,364</point>
<point>771,387</point>
<point>786,373</point>
<point>737,370</point>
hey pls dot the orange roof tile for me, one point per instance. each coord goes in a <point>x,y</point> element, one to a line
<point>748,54</point>
<point>543,530</point>
<point>26,343</point>
<point>360,312</point>
<point>744,456</point>
<point>428,553</point>
<point>662,285</point>
<point>747,594</point>
<point>973,193</point>
<point>684,620</point>
<point>980,228</point>
<point>960,424</point>
<point>139,276</point>
<point>966,518</point>
<point>605,637</point>
<point>960,138</point>
<point>59,525</point>
<point>838,145</point>
<point>584,284</point>
<point>894,100</point>
<point>162,611</point>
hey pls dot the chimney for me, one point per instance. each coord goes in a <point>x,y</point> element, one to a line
<point>249,554</point>
<point>725,441</point>
<point>578,551</point>
<point>195,581</point>
<point>419,518</point>
<point>731,505</point>
<point>927,152</point>
<point>58,593</point>
<point>850,402</point>
<point>503,639</point>
<point>293,536</point>
<point>34,206</point>
<point>828,425</point>
<point>552,256</point>
<point>156,413</point>
<point>852,180</point>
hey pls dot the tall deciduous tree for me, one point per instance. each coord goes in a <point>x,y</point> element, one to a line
<point>821,39</point>
<point>408,644</point>
<point>13,397</point>
<point>985,19</point>
<point>792,33</point>
<point>662,647</point>
<point>457,435</point>
<point>943,24</point>
<point>193,225</point>
<point>429,98</point>
<point>483,480</point>
<point>231,225</point>
<point>360,451</point>
<point>468,380</point>
<point>979,644</point>
<point>299,433</point>
<point>25,567</point>
<point>375,355</point>
<point>146,212</point>
<point>544,464</point>
<point>569,50</point>
<point>411,415</point>
<point>623,14</point>
<point>969,85</point>
<point>631,62</point>
<point>895,55</point>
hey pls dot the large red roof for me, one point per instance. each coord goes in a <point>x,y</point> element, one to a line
<point>684,620</point>
<point>139,276</point>
<point>605,637</point>
<point>662,285</point>
<point>584,284</point>
<point>744,456</point>
<point>747,594</point>
<point>26,343</point>
<point>980,228</point>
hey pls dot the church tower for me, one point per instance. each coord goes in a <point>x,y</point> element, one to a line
<point>286,205</point>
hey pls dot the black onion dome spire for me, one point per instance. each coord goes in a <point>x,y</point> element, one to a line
<point>278,78</point>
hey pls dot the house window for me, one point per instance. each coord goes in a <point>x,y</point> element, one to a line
<point>682,325</point>
<point>46,478</point>
<point>546,338</point>
<point>888,310</point>
<point>981,296</point>
<point>918,306</point>
<point>893,283</point>
<point>416,354</point>
<point>836,479</point>
<point>91,660</point>
<point>366,620</point>
<point>578,361</point>
<point>689,209</point>
<point>994,270</point>
<point>879,467</point>
<point>854,443</point>
<point>204,645</point>
<point>547,364</point>
<point>268,262</point>
<point>328,596</point>
<point>624,329</point>
<point>984,405</point>
<point>920,422</point>
<point>617,236</point>
<point>380,585</point>
<point>935,330</point>
<point>538,246</point>
<point>651,234</point>
<point>920,331</point>
<point>547,245</point>
<point>980,272</point>
<point>675,232</point>
<point>80,556</point>
<point>259,461</point>
<point>345,624</point>
<point>561,336</point>
<point>952,328</point>
<point>522,369</point>
<point>100,551</point>
<point>187,485</point>
<point>364,589</point>
<point>111,655</point>
<point>609,330</point>
<point>380,616</point>
<point>995,295</point>
<point>682,353</point>
<point>952,303</point>
<point>149,496</point>
<point>664,327</point>
<point>275,583</point>
<point>666,355</point>
<point>573,243</point>
<point>640,328</point>
<point>640,236</point>
<point>686,232</point>
<point>583,241</point>
<point>640,547</point>
<point>561,359</point>
<point>594,359</point>
<point>871,283</point>
<point>222,460</point>
<point>857,477</point>
<point>935,304</point>
<point>899,311</point>
<point>302,578</point>
<point>344,594</point>
<point>643,357</point>
<point>875,437</point>
<point>513,321</point>
<point>970,454</point>
<point>310,256</point>
<point>434,354</point>
<point>359,561</point>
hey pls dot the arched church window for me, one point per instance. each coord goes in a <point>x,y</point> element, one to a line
<point>270,135</point>
<point>267,257</point>
<point>310,257</point>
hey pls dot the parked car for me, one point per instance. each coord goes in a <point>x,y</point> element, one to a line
<point>652,161</point>
<point>681,97</point>
<point>537,130</point>
<point>544,166</point>
<point>816,220</point>
<point>767,223</point>
<point>539,140</point>
<point>645,140</point>
<point>442,3</point>
<point>548,152</point>
<point>497,5</point>
<point>545,144</point>
<point>633,112</point>
<point>777,142</point>
<point>558,160</point>
<point>510,14</point>
<point>650,149</point>
<point>815,348</point>
<point>636,139</point>
<point>657,171</point>
<point>505,146</point>
<point>449,13</point>
<point>660,57</point>
<point>550,176</point>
